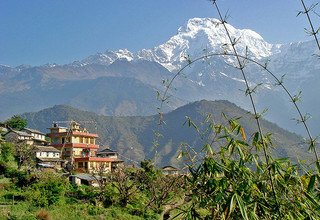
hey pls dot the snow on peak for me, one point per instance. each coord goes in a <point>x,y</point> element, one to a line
<point>195,24</point>
<point>108,57</point>
<point>124,54</point>
<point>197,35</point>
<point>208,34</point>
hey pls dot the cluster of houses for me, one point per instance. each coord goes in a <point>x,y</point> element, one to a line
<point>72,148</point>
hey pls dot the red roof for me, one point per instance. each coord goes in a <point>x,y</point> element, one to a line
<point>74,133</point>
<point>76,145</point>
<point>97,159</point>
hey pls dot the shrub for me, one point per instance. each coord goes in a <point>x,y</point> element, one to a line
<point>95,210</point>
<point>48,189</point>
<point>43,215</point>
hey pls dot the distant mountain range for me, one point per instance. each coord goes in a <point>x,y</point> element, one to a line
<point>134,136</point>
<point>125,83</point>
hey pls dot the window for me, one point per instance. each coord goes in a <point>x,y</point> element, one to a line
<point>55,140</point>
<point>80,165</point>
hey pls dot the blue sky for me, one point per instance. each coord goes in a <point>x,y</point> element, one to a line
<point>36,32</point>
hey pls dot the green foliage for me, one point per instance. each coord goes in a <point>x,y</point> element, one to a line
<point>149,171</point>
<point>17,122</point>
<point>24,154</point>
<point>47,190</point>
<point>234,182</point>
<point>95,210</point>
<point>6,152</point>
<point>124,181</point>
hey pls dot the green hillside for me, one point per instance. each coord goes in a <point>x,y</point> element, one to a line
<point>134,137</point>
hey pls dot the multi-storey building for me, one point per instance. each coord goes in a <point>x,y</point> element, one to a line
<point>79,148</point>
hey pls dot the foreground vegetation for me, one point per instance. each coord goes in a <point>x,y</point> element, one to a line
<point>232,182</point>
<point>128,193</point>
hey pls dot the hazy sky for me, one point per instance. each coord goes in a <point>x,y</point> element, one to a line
<point>36,32</point>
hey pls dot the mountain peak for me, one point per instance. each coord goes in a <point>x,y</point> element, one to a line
<point>194,24</point>
<point>195,36</point>
<point>207,34</point>
<point>108,57</point>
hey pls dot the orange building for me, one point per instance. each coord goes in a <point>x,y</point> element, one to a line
<point>78,147</point>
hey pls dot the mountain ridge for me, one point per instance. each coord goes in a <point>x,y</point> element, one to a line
<point>212,78</point>
<point>134,136</point>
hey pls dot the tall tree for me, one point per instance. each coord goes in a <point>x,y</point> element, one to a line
<point>17,122</point>
<point>24,154</point>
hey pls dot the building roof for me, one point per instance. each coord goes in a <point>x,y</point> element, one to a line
<point>106,151</point>
<point>73,133</point>
<point>45,165</point>
<point>20,133</point>
<point>97,159</point>
<point>49,159</point>
<point>46,149</point>
<point>33,131</point>
<point>86,176</point>
<point>170,168</point>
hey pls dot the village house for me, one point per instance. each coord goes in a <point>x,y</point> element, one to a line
<point>26,135</point>
<point>78,147</point>
<point>170,170</point>
<point>38,137</point>
<point>47,157</point>
<point>85,179</point>
<point>18,136</point>
<point>107,152</point>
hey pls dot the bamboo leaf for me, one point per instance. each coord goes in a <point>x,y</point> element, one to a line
<point>243,134</point>
<point>231,205</point>
<point>311,183</point>
<point>312,200</point>
<point>180,155</point>
<point>208,148</point>
<point>255,139</point>
<point>242,207</point>
<point>240,153</point>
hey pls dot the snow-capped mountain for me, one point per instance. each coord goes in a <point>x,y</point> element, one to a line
<point>212,78</point>
<point>201,35</point>
<point>197,36</point>
<point>108,57</point>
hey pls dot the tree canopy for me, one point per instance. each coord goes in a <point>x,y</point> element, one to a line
<point>17,122</point>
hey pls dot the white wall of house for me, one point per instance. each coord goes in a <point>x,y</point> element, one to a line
<point>48,154</point>
<point>38,136</point>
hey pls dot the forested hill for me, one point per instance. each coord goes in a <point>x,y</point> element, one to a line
<point>134,137</point>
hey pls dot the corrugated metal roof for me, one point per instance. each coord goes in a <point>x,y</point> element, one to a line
<point>86,176</point>
<point>33,131</point>
<point>21,133</point>
<point>46,149</point>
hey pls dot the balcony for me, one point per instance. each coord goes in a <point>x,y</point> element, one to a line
<point>75,145</point>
